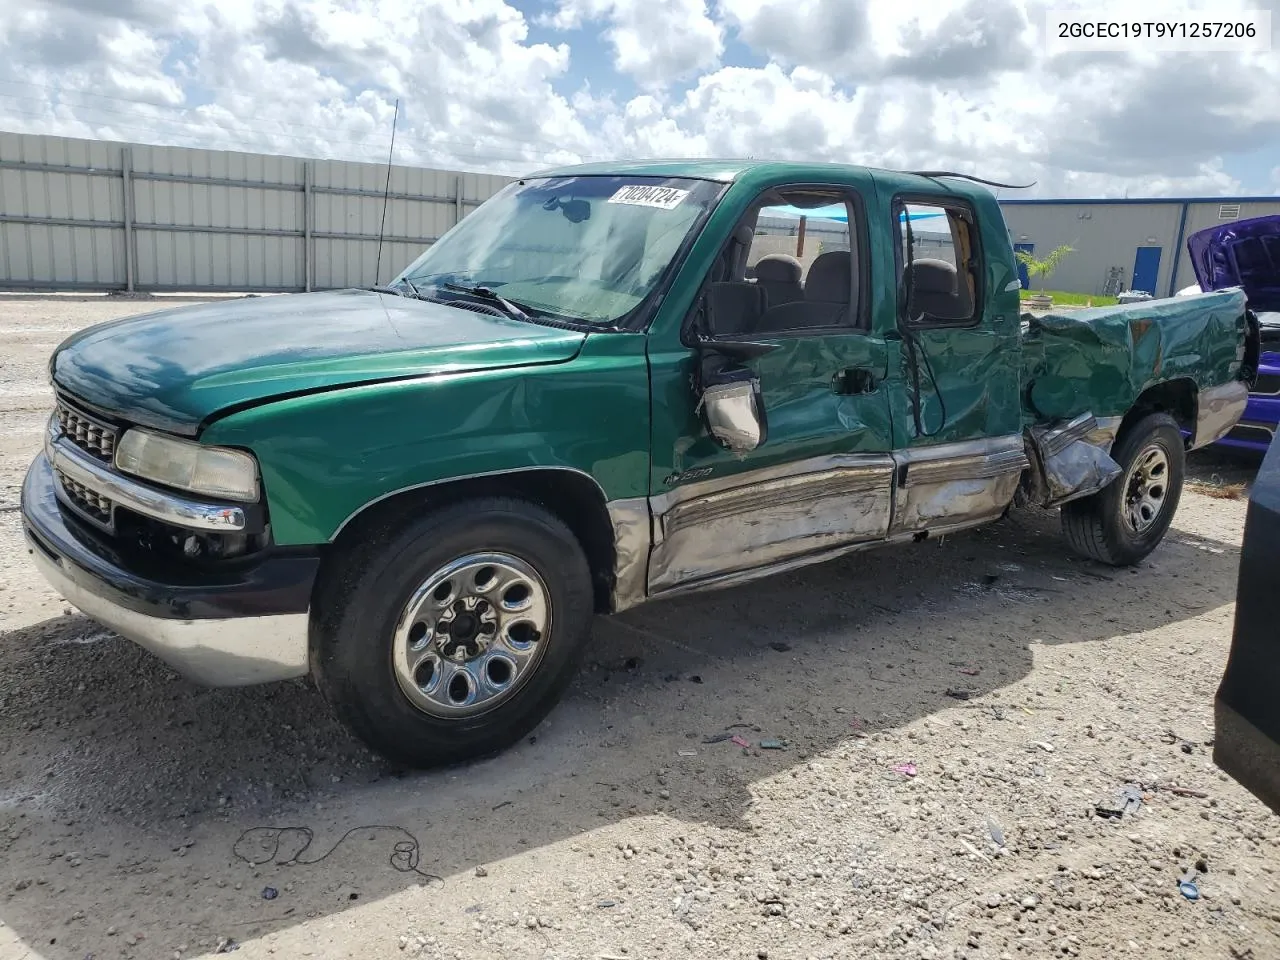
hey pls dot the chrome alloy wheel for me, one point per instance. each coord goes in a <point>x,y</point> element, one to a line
<point>1146,488</point>
<point>471,635</point>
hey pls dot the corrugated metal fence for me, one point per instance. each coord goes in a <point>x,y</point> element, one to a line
<point>95,215</point>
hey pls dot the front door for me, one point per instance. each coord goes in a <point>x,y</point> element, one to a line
<point>1023,277</point>
<point>822,480</point>
<point>1146,269</point>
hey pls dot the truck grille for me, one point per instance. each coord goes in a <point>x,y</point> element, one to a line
<point>86,433</point>
<point>91,502</point>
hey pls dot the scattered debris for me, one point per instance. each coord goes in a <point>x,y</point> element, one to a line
<point>1046,747</point>
<point>695,679</point>
<point>974,850</point>
<point>226,945</point>
<point>997,835</point>
<point>270,893</point>
<point>687,753</point>
<point>1217,488</point>
<point>1125,801</point>
<point>1188,792</point>
<point>1186,748</point>
<point>740,741</point>
<point>1200,546</point>
<point>481,872</point>
<point>1187,887</point>
<point>780,645</point>
<point>970,671</point>
<point>906,769</point>
<point>606,904</point>
<point>772,744</point>
<point>958,694</point>
<point>718,737</point>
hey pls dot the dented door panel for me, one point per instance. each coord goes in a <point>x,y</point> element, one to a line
<point>950,486</point>
<point>758,519</point>
<point>823,478</point>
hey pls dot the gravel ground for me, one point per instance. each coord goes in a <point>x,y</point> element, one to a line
<point>899,820</point>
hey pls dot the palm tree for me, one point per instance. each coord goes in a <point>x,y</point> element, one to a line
<point>1041,268</point>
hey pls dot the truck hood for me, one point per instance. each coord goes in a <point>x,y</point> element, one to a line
<point>175,369</point>
<point>1244,253</point>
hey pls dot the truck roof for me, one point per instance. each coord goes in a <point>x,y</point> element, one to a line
<point>728,170</point>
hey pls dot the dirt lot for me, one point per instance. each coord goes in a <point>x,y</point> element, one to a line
<point>617,832</point>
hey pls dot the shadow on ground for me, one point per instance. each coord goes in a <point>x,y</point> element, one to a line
<point>151,781</point>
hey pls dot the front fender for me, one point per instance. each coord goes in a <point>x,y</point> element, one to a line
<point>326,456</point>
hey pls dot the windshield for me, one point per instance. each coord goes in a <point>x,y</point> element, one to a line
<point>579,248</point>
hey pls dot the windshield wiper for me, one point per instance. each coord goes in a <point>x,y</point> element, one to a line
<point>413,292</point>
<point>510,308</point>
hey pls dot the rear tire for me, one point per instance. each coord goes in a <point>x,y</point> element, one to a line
<point>1122,523</point>
<point>453,636</point>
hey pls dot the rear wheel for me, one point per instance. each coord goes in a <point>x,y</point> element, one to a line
<point>1122,523</point>
<point>452,638</point>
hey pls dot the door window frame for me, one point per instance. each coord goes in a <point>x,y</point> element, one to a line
<point>860,310</point>
<point>946,202</point>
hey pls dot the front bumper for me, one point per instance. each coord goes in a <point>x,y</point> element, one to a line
<point>247,624</point>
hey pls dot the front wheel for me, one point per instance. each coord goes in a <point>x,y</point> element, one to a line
<point>1122,523</point>
<point>453,637</point>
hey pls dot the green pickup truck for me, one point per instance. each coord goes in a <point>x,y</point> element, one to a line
<point>607,385</point>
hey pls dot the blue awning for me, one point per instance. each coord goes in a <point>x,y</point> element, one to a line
<point>835,212</point>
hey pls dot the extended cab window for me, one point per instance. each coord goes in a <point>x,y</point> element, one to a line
<point>793,264</point>
<point>937,263</point>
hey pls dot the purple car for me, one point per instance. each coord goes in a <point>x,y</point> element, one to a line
<point>1246,254</point>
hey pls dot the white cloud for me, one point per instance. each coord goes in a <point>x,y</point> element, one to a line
<point>958,84</point>
<point>657,42</point>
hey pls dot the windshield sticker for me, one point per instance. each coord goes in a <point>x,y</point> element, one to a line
<point>664,198</point>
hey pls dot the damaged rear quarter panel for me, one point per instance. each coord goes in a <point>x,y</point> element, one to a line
<point>1101,360</point>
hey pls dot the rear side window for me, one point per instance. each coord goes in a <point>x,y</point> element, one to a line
<point>938,278</point>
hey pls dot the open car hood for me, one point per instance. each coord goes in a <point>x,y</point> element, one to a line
<point>1243,253</point>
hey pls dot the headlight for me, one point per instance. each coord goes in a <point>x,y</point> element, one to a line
<point>212,471</point>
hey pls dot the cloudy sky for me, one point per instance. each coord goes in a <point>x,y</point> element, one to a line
<point>509,86</point>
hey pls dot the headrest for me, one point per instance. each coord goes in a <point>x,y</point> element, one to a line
<point>830,278</point>
<point>778,267</point>
<point>934,276</point>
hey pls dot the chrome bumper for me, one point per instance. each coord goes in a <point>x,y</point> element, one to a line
<point>247,630</point>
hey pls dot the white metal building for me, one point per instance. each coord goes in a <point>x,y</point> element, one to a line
<point>1122,244</point>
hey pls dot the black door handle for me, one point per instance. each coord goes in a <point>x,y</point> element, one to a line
<point>853,380</point>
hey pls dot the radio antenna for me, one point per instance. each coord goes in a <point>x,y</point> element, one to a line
<point>386,194</point>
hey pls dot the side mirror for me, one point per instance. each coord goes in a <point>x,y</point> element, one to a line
<point>730,399</point>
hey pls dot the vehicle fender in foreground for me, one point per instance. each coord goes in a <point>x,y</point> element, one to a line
<point>1247,707</point>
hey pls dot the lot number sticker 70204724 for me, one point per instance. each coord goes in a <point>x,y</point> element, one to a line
<point>665,198</point>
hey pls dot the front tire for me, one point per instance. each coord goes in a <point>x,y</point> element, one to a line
<point>1122,523</point>
<point>453,637</point>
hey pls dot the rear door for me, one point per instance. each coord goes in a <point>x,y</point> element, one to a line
<point>955,359</point>
<point>1247,708</point>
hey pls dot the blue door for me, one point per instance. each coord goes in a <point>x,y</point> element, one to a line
<point>1022,267</point>
<point>1146,267</point>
